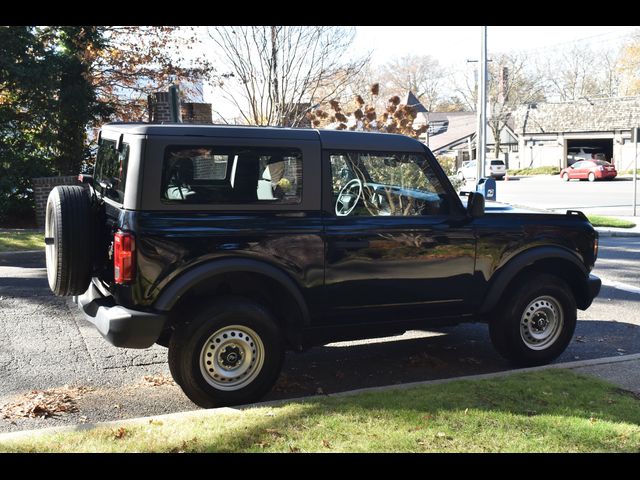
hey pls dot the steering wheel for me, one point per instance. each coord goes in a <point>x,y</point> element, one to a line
<point>348,197</point>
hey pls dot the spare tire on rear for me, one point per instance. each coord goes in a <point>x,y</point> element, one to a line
<point>69,240</point>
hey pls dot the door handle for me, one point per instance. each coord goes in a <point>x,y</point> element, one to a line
<point>351,244</point>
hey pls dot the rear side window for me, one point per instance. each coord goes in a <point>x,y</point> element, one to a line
<point>110,173</point>
<point>238,175</point>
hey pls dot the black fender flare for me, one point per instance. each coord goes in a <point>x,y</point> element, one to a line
<point>505,274</point>
<point>202,272</point>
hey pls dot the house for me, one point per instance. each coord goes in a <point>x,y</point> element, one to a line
<point>550,132</point>
<point>459,139</point>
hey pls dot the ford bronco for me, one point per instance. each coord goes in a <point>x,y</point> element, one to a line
<point>230,245</point>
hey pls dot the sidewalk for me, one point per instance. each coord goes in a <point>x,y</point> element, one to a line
<point>622,371</point>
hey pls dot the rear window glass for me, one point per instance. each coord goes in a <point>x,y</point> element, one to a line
<point>602,162</point>
<point>238,175</point>
<point>110,172</point>
<point>497,162</point>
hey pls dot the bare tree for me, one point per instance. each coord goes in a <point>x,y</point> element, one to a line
<point>510,84</point>
<point>421,74</point>
<point>275,74</point>
<point>581,71</point>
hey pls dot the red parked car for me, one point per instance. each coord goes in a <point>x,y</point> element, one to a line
<point>592,170</point>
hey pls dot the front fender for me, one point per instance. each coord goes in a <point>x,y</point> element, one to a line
<point>563,261</point>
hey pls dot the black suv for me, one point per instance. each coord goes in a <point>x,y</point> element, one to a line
<point>230,245</point>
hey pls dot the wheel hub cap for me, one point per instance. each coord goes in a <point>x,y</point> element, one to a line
<point>541,323</point>
<point>232,357</point>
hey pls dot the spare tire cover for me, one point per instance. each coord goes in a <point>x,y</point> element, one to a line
<point>69,240</point>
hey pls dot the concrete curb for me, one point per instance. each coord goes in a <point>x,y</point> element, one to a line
<point>274,403</point>
<point>605,232</point>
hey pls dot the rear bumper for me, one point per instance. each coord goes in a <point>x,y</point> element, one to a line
<point>122,327</point>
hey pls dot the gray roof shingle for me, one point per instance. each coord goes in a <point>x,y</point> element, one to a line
<point>594,115</point>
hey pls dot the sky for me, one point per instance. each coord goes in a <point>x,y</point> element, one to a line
<point>452,46</point>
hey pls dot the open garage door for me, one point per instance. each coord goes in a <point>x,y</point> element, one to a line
<point>585,149</point>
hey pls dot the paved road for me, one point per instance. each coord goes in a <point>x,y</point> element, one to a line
<point>46,344</point>
<point>613,197</point>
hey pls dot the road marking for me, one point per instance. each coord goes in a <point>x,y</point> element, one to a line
<point>620,285</point>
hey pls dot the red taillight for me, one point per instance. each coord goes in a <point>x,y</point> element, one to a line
<point>124,264</point>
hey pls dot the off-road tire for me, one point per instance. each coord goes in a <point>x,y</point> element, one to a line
<point>193,345</point>
<point>69,239</point>
<point>513,327</point>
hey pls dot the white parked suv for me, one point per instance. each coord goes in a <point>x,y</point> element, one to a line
<point>492,168</point>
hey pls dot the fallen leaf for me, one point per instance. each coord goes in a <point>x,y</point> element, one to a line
<point>119,433</point>
<point>44,403</point>
<point>326,444</point>
<point>275,433</point>
<point>293,449</point>
<point>158,380</point>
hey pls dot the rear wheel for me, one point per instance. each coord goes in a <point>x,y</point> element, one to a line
<point>230,353</point>
<point>536,323</point>
<point>69,240</point>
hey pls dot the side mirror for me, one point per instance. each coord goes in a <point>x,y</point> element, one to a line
<point>475,205</point>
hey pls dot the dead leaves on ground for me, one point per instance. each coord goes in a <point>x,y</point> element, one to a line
<point>158,380</point>
<point>44,403</point>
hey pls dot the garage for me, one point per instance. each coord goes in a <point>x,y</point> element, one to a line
<point>559,134</point>
<point>587,148</point>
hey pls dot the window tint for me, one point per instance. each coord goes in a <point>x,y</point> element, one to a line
<point>213,175</point>
<point>110,172</point>
<point>384,184</point>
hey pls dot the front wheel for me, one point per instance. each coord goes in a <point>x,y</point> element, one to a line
<point>565,177</point>
<point>536,323</point>
<point>229,354</point>
<point>592,177</point>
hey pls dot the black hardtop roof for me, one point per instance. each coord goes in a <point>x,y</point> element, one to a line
<point>331,139</point>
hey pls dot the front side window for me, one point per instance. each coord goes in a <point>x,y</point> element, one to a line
<point>385,184</point>
<point>239,175</point>
<point>110,171</point>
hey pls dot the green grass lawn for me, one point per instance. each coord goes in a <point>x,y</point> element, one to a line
<point>599,221</point>
<point>21,240</point>
<point>547,411</point>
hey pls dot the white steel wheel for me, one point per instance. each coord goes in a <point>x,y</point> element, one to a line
<point>232,357</point>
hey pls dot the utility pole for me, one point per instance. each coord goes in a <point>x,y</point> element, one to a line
<point>481,135</point>
<point>636,134</point>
